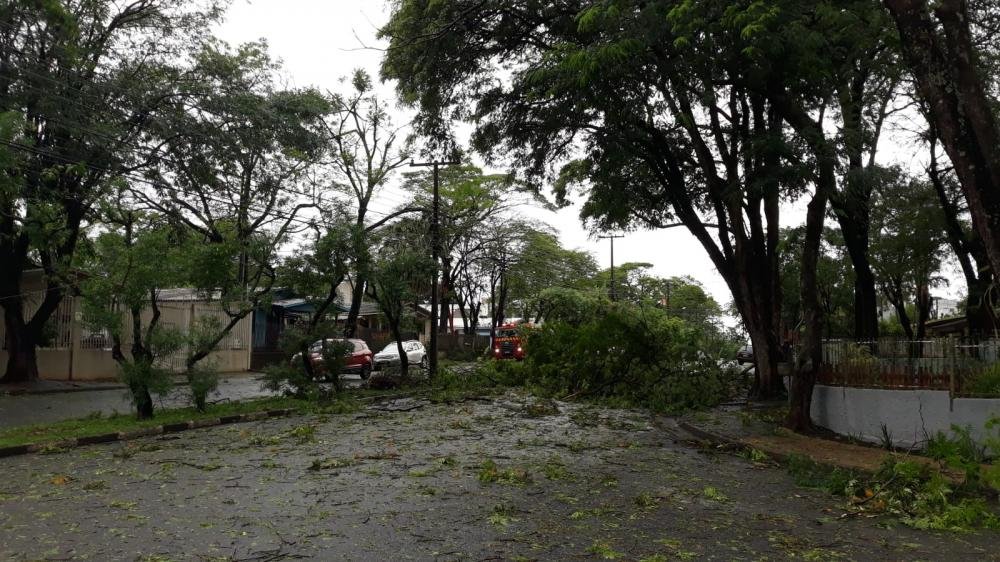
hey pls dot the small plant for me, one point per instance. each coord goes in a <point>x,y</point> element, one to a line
<point>645,500</point>
<point>447,462</point>
<point>919,495</point>
<point>810,474</point>
<point>303,434</point>
<point>326,464</point>
<point>604,550</point>
<point>886,440</point>
<point>490,472</point>
<point>555,469</point>
<point>502,515</point>
<point>712,493</point>
<point>202,381</point>
<point>263,441</point>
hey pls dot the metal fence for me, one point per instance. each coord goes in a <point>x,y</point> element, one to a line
<point>937,364</point>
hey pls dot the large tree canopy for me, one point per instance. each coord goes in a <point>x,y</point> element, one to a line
<point>660,110</point>
<point>80,84</point>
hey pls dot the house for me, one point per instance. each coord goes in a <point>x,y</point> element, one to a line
<point>287,309</point>
<point>76,351</point>
<point>456,323</point>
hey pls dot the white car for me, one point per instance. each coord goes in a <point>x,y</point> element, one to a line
<point>415,354</point>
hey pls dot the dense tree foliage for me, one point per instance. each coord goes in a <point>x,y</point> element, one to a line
<point>81,85</point>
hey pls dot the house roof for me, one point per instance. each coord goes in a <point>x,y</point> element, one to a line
<point>948,324</point>
<point>295,305</point>
<point>186,294</point>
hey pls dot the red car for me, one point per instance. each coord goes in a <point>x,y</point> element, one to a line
<point>359,361</point>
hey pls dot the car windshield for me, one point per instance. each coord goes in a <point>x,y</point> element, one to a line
<point>507,333</point>
<point>391,348</point>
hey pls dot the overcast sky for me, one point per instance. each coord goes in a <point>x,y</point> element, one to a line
<point>322,41</point>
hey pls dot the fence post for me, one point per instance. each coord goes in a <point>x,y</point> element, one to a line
<point>951,390</point>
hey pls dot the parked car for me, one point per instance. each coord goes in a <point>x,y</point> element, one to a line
<point>359,361</point>
<point>415,354</point>
<point>745,355</point>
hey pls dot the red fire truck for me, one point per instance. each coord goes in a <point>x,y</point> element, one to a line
<point>507,343</point>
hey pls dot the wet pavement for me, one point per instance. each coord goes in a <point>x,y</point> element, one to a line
<point>26,409</point>
<point>509,478</point>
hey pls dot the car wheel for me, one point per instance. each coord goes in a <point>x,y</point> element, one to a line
<point>366,372</point>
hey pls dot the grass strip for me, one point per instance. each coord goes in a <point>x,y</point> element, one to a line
<point>94,425</point>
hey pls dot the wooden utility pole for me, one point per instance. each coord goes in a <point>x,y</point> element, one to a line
<point>435,251</point>
<point>611,237</point>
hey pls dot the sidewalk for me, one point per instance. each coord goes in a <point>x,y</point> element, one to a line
<point>55,387</point>
<point>58,387</point>
<point>736,428</point>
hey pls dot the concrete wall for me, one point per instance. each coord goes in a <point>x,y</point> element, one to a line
<point>910,416</point>
<point>79,353</point>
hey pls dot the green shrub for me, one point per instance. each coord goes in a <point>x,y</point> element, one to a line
<point>810,474</point>
<point>624,355</point>
<point>146,376</point>
<point>918,494</point>
<point>202,380</point>
<point>984,383</point>
<point>292,377</point>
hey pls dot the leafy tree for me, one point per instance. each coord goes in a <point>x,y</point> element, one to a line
<point>909,246</point>
<point>680,296</point>
<point>366,150</point>
<point>542,262</point>
<point>835,280</point>
<point>865,80</point>
<point>316,270</point>
<point>123,276</point>
<point>468,201</point>
<point>235,156</point>
<point>82,84</point>
<point>624,353</point>
<point>398,280</point>
<point>615,82</point>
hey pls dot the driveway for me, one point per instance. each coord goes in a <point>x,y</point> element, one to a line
<point>487,479</point>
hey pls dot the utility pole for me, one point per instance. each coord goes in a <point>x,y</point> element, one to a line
<point>435,250</point>
<point>611,237</point>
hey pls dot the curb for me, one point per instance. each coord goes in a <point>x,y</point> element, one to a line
<point>723,441</point>
<point>706,435</point>
<point>70,390</point>
<point>55,446</point>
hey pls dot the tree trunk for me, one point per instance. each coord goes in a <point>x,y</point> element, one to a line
<point>143,403</point>
<point>865,293</point>
<point>923,302</point>
<point>811,346</point>
<point>969,251</point>
<point>949,80</point>
<point>357,295</point>
<point>404,361</point>
<point>810,356</point>
<point>207,349</point>
<point>22,356</point>
<point>22,342</point>
<point>894,293</point>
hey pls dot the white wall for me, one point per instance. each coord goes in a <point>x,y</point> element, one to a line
<point>909,415</point>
